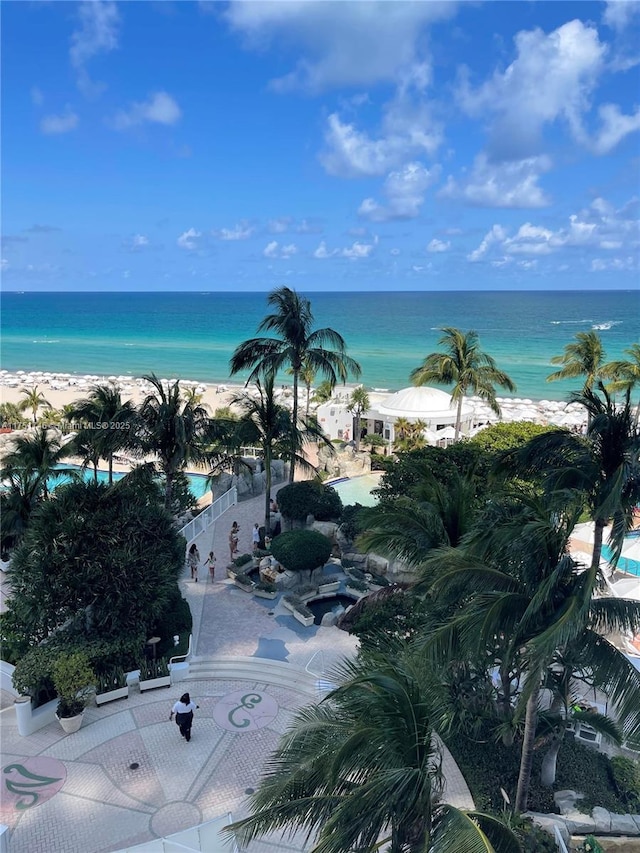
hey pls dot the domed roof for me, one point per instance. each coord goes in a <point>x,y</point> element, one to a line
<point>418,403</point>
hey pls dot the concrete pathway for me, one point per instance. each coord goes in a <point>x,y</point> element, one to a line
<point>127,777</point>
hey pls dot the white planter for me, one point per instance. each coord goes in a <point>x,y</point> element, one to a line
<point>112,695</point>
<point>287,605</point>
<point>71,724</point>
<point>263,593</point>
<point>152,683</point>
<point>307,621</point>
<point>328,587</point>
<point>243,586</point>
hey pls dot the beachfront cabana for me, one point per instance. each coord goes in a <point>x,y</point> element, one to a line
<point>431,406</point>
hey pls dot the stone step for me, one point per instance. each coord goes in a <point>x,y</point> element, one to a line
<point>261,670</point>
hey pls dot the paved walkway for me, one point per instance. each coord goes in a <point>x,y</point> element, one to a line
<point>127,777</point>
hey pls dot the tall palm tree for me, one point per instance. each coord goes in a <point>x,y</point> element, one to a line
<point>38,453</point>
<point>518,582</point>
<point>34,400</point>
<point>110,422</point>
<point>361,771</point>
<point>177,432</point>
<point>583,357</point>
<point>625,375</point>
<point>358,404</point>
<point>603,466</point>
<point>465,366</point>
<point>268,425</point>
<point>322,350</point>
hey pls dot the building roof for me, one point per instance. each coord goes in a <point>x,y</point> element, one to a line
<point>422,402</point>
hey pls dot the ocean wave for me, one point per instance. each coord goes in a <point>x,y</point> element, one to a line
<point>45,342</point>
<point>570,322</point>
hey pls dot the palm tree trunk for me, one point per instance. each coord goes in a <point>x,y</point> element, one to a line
<point>550,761</point>
<point>526,760</point>
<point>306,414</point>
<point>168,489</point>
<point>294,417</point>
<point>267,490</point>
<point>358,431</point>
<point>459,416</point>
<point>598,533</point>
<point>110,469</point>
<point>95,471</point>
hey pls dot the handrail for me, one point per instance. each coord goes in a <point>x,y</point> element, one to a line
<point>209,515</point>
<point>177,658</point>
<point>562,847</point>
<point>311,660</point>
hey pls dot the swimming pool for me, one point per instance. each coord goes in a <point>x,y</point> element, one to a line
<point>358,490</point>
<point>197,482</point>
<point>625,564</point>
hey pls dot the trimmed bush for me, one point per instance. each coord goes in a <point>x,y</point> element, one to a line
<point>626,776</point>
<point>301,550</point>
<point>359,586</point>
<point>242,560</point>
<point>266,586</point>
<point>349,524</point>
<point>309,497</point>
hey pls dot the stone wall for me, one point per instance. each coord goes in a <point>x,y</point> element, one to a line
<point>345,462</point>
<point>251,481</point>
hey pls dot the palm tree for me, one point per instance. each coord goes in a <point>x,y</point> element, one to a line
<point>323,392</point>
<point>177,432</point>
<point>362,771</point>
<point>110,423</point>
<point>603,466</point>
<point>11,416</point>
<point>359,403</point>
<point>584,357</point>
<point>38,453</point>
<point>625,374</point>
<point>518,582</point>
<point>321,350</point>
<point>268,425</point>
<point>465,366</point>
<point>34,400</point>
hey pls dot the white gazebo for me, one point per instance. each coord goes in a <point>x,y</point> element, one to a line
<point>431,406</point>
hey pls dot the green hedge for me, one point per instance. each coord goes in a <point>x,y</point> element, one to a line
<point>626,777</point>
<point>301,550</point>
<point>298,500</point>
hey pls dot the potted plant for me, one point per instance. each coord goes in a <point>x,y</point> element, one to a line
<point>306,591</point>
<point>154,673</point>
<point>111,685</point>
<point>330,583</point>
<point>264,589</point>
<point>291,601</point>
<point>302,613</point>
<point>243,581</point>
<point>357,588</point>
<point>73,679</point>
<point>239,565</point>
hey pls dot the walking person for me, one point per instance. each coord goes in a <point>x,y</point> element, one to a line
<point>255,535</point>
<point>183,709</point>
<point>234,535</point>
<point>211,565</point>
<point>193,559</point>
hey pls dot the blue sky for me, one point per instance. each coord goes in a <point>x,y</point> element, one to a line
<point>325,145</point>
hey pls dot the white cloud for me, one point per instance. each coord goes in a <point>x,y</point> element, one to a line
<point>407,131</point>
<point>615,126</point>
<point>4,264</point>
<point>438,246</point>
<point>159,108</point>
<point>188,239</point>
<point>274,250</point>
<point>511,184</point>
<point>619,13</point>
<point>62,123</point>
<point>404,190</point>
<point>138,242</point>
<point>551,78</point>
<point>496,235</point>
<point>241,231</point>
<point>279,225</point>
<point>628,264</point>
<point>374,41</point>
<point>98,33</point>
<point>37,98</point>
<point>356,251</point>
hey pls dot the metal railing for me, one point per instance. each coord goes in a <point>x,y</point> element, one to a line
<point>209,515</point>
<point>182,658</point>
<point>562,847</point>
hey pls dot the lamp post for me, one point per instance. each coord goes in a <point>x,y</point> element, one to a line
<point>388,428</point>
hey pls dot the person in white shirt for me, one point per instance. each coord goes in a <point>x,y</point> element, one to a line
<point>255,535</point>
<point>183,709</point>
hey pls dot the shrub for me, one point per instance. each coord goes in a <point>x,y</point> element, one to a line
<point>306,589</point>
<point>378,580</point>
<point>301,550</point>
<point>349,524</point>
<point>112,679</point>
<point>158,668</point>
<point>33,675</point>
<point>73,679</point>
<point>298,500</point>
<point>359,586</point>
<point>626,777</point>
<point>243,579</point>
<point>266,586</point>
<point>242,560</point>
<point>176,619</point>
<point>354,572</point>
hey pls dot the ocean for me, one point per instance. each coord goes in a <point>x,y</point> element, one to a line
<point>192,335</point>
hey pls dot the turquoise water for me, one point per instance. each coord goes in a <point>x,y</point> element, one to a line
<point>624,563</point>
<point>357,489</point>
<point>197,482</point>
<point>192,335</point>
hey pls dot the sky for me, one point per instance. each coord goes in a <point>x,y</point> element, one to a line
<point>324,145</point>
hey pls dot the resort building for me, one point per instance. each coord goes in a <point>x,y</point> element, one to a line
<point>433,407</point>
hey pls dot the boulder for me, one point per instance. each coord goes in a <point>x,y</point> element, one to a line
<point>623,824</point>
<point>355,557</point>
<point>329,620</point>
<point>580,824</point>
<point>327,528</point>
<point>377,564</point>
<point>602,817</point>
<point>566,800</point>
<point>548,822</point>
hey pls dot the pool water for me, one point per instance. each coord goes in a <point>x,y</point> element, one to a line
<point>625,564</point>
<point>197,482</point>
<point>328,605</point>
<point>358,489</point>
